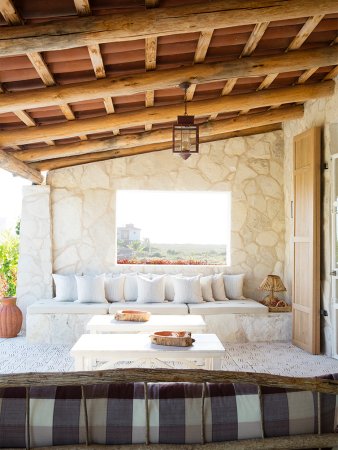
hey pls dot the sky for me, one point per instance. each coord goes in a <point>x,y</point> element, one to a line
<point>10,199</point>
<point>177,217</point>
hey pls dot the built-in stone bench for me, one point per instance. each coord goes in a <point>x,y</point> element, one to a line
<point>246,320</point>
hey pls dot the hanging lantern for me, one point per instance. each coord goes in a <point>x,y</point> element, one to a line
<point>185,132</point>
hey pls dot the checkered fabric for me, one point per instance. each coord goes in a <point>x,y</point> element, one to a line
<point>12,417</point>
<point>116,413</point>
<point>288,412</point>
<point>232,411</point>
<point>178,413</point>
<point>175,413</point>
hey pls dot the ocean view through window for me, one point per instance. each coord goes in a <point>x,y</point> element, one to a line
<point>173,227</point>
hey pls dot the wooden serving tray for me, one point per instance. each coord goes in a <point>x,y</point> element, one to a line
<point>174,338</point>
<point>132,315</point>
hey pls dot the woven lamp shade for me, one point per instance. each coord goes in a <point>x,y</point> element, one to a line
<point>272,283</point>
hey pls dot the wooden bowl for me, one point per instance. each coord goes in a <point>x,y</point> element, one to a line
<point>132,315</point>
<point>174,338</point>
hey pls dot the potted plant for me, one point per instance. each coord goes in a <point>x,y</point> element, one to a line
<point>10,314</point>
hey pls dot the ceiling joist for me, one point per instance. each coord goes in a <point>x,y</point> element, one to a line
<point>208,129</point>
<point>169,113</point>
<point>200,73</point>
<point>19,168</point>
<point>58,35</point>
<point>9,13</point>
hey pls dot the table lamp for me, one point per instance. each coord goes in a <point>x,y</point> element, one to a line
<point>272,283</point>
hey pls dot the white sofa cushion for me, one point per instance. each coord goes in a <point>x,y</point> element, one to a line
<point>217,286</point>
<point>50,306</point>
<point>206,283</point>
<point>234,286</point>
<point>247,306</point>
<point>187,289</point>
<point>130,287</point>
<point>114,288</point>
<point>90,289</point>
<point>65,287</point>
<point>150,290</point>
<point>153,308</point>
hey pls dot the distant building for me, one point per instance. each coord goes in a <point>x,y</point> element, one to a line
<point>128,233</point>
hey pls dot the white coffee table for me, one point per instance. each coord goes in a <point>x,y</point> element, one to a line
<point>107,324</point>
<point>127,347</point>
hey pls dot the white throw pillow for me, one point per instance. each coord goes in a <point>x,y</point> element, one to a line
<point>90,289</point>
<point>206,288</point>
<point>217,286</point>
<point>234,286</point>
<point>114,288</point>
<point>187,289</point>
<point>169,287</point>
<point>65,288</point>
<point>130,287</point>
<point>150,291</point>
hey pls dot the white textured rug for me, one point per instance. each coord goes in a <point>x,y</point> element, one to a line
<point>16,356</point>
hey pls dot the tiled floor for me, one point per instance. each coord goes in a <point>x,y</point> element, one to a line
<point>16,355</point>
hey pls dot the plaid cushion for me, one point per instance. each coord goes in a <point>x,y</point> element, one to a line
<point>56,416</point>
<point>329,409</point>
<point>287,412</point>
<point>12,417</point>
<point>232,411</point>
<point>175,413</point>
<point>117,413</point>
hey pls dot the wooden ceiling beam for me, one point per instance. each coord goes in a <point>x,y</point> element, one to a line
<point>200,54</point>
<point>61,34</point>
<point>41,67</point>
<point>25,118</point>
<point>253,66</point>
<point>102,156</point>
<point>19,168</point>
<point>295,44</point>
<point>82,7</point>
<point>159,136</point>
<point>97,61</point>
<point>305,32</point>
<point>10,13</point>
<point>150,64</point>
<point>163,114</point>
<point>152,3</point>
<point>255,36</point>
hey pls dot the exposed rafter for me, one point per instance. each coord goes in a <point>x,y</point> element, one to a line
<point>152,80</point>
<point>150,64</point>
<point>255,36</point>
<point>152,3</point>
<point>82,7</point>
<point>159,136</point>
<point>19,168</point>
<point>41,67</point>
<point>296,43</point>
<point>157,22</point>
<point>200,54</point>
<point>10,13</point>
<point>102,156</point>
<point>165,114</point>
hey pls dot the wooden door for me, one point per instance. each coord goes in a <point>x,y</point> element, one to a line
<point>306,241</point>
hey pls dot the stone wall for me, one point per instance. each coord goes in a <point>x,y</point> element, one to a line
<point>321,113</point>
<point>251,168</point>
<point>35,263</point>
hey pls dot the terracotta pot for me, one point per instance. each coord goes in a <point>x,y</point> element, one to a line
<point>10,317</point>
